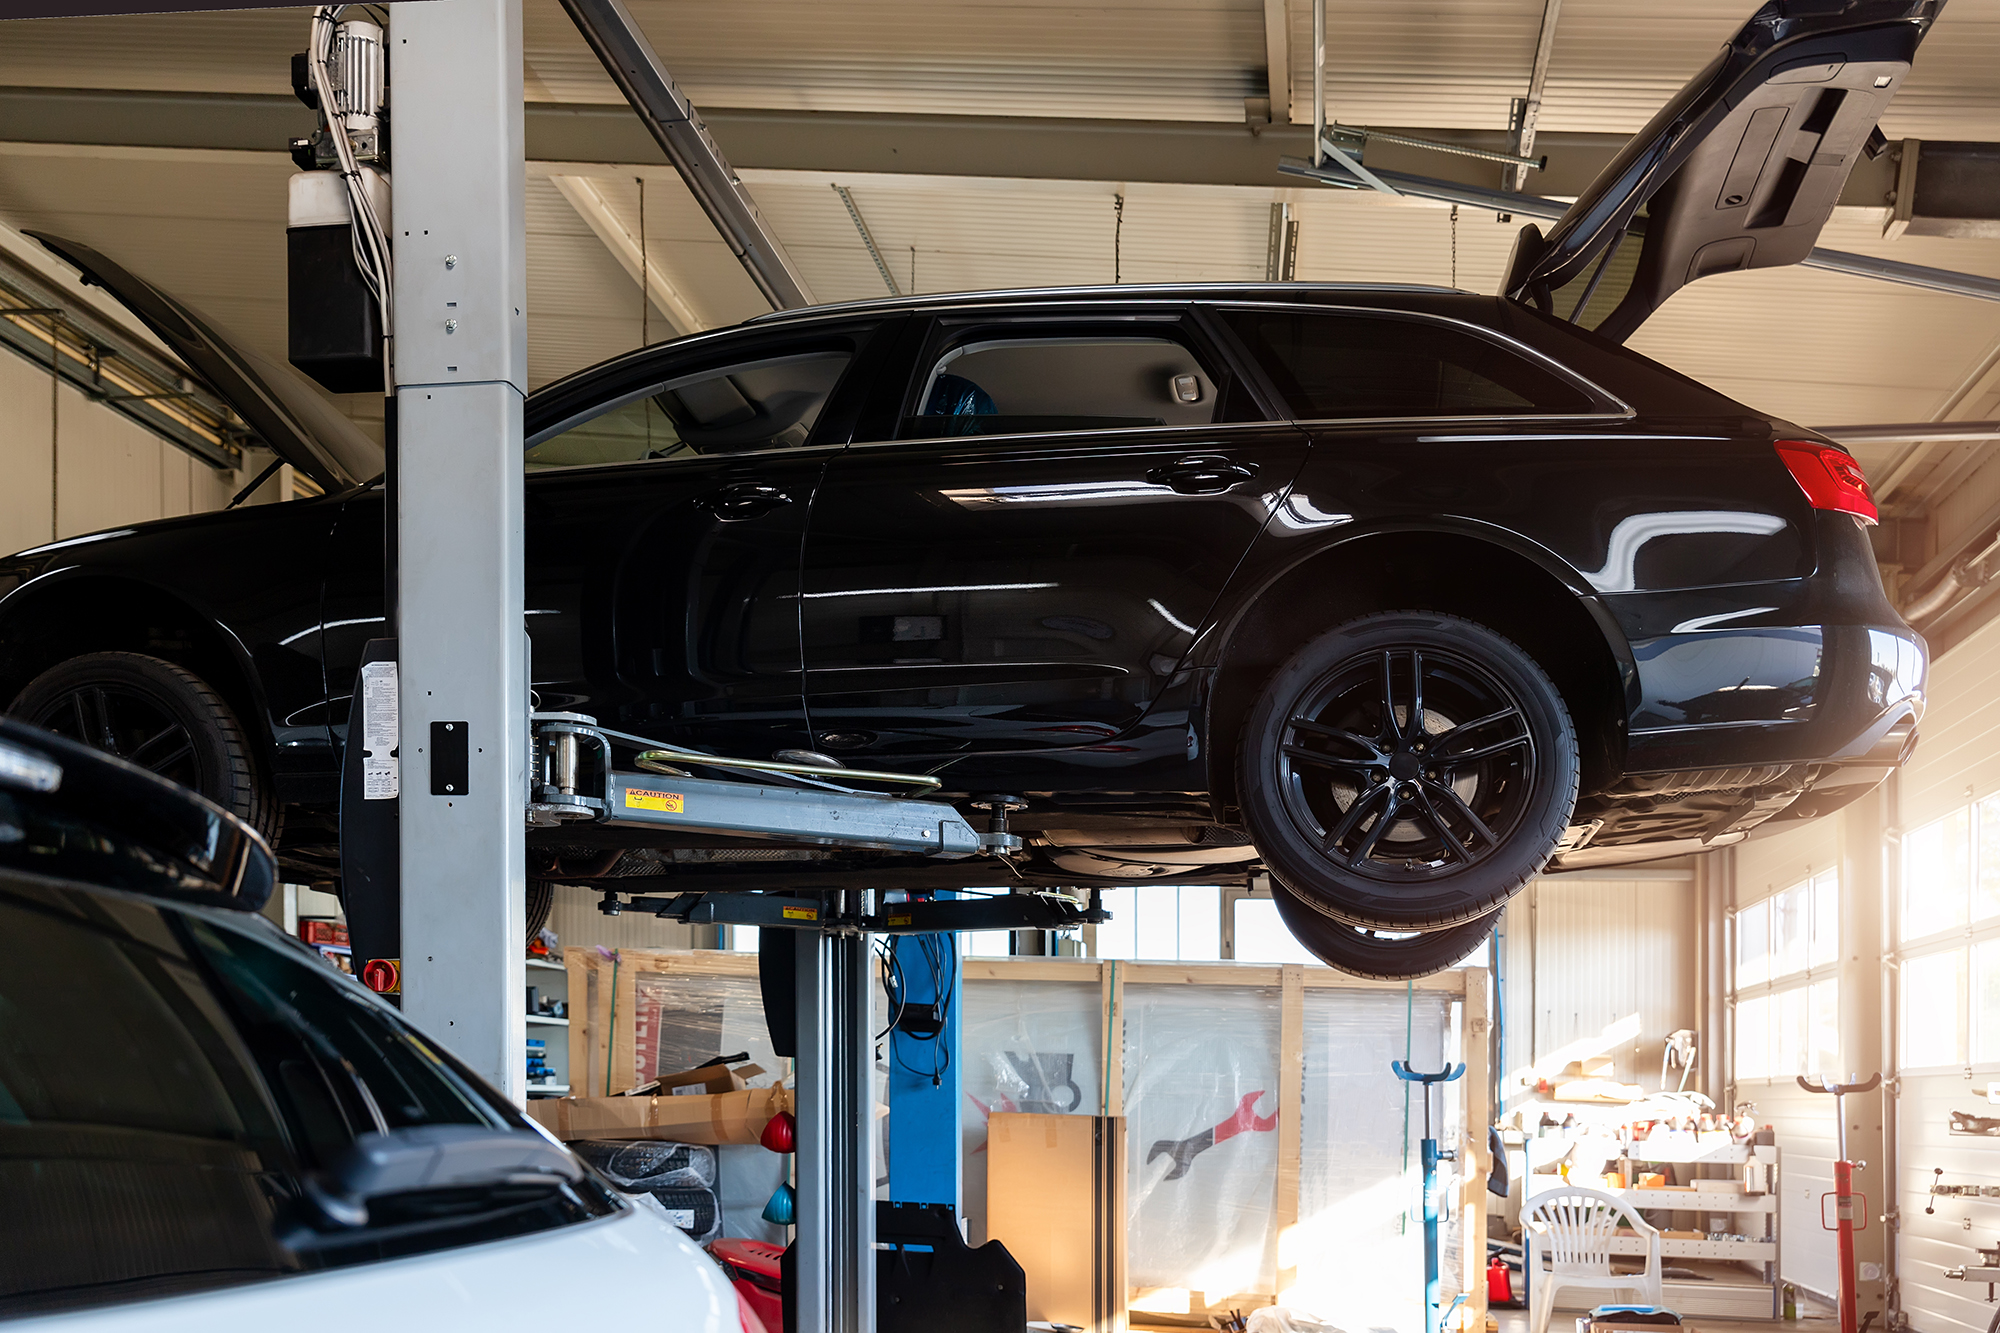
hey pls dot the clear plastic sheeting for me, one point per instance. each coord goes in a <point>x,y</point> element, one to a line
<point>1026,1046</point>
<point>1201,1107</point>
<point>650,1164</point>
<point>681,1020</point>
<point>1358,1247</point>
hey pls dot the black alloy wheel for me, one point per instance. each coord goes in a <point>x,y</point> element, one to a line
<point>1408,771</point>
<point>160,716</point>
<point>1385,955</point>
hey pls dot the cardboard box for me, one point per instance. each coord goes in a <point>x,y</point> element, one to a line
<point>1055,1196</point>
<point>713,1117</point>
<point>709,1078</point>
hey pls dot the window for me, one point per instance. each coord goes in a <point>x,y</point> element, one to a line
<point>1019,385</point>
<point>1258,934</point>
<point>1331,366</point>
<point>1937,880</point>
<point>1951,912</point>
<point>1788,1003</point>
<point>1753,945</point>
<point>1934,1010</point>
<point>1174,923</point>
<point>1753,1038</point>
<point>758,405</point>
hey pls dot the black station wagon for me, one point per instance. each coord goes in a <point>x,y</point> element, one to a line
<point>1403,594</point>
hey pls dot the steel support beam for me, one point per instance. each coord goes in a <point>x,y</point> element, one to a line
<point>1278,59</point>
<point>461,379</point>
<point>848,142</point>
<point>637,70</point>
<point>835,1249</point>
<point>1865,1031</point>
<point>1913,432</point>
<point>1443,190</point>
<point>586,195</point>
<point>1529,109</point>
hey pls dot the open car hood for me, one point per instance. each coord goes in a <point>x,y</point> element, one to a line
<point>1739,170</point>
<point>277,402</point>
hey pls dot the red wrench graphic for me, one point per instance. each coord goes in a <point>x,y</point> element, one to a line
<point>1244,1121</point>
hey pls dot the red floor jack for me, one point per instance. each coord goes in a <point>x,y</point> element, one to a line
<point>1850,1209</point>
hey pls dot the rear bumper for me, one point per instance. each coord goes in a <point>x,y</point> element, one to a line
<point>1771,695</point>
<point>1791,722</point>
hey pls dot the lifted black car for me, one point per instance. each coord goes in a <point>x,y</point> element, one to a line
<point>1403,593</point>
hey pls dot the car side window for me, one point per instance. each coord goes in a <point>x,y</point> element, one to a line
<point>1330,365</point>
<point>1010,383</point>
<point>172,1087</point>
<point>771,403</point>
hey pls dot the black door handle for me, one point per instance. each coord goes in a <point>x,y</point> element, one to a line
<point>1206,475</point>
<point>745,499</point>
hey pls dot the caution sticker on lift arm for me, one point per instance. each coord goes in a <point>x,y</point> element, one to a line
<point>640,798</point>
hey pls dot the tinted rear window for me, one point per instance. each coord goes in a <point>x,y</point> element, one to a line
<point>1331,365</point>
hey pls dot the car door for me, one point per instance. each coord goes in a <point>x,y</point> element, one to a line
<point>667,495</point>
<point>1025,560</point>
<point>667,500</point>
<point>1740,169</point>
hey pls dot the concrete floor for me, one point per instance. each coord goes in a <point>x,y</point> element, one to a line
<point>1813,1318</point>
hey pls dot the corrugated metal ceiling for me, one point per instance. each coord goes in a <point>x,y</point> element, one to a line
<point>1813,346</point>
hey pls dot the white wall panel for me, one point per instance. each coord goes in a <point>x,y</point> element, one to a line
<point>1957,761</point>
<point>1777,856</point>
<point>109,471</point>
<point>1597,967</point>
<point>1930,1244</point>
<point>1958,750</point>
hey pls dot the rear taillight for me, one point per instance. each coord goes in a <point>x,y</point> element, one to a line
<point>1830,478</point>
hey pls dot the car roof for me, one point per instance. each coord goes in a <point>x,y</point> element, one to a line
<point>1180,291</point>
<point>119,826</point>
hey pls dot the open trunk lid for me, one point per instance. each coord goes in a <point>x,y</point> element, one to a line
<point>276,401</point>
<point>1739,170</point>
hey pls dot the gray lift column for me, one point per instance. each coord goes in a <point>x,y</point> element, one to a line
<point>460,238</point>
<point>835,1253</point>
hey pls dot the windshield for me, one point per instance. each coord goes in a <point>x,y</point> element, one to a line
<point>175,1085</point>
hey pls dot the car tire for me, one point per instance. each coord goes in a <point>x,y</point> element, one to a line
<point>159,716</point>
<point>1378,954</point>
<point>1407,770</point>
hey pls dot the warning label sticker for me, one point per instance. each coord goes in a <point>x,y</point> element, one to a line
<point>639,798</point>
<point>381,776</point>
<point>801,914</point>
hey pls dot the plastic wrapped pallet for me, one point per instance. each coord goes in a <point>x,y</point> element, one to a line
<point>1361,1177</point>
<point>1201,1108</point>
<point>1026,1046</point>
<point>648,1164</point>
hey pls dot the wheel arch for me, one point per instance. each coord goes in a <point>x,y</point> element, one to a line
<point>69,613</point>
<point>1491,576</point>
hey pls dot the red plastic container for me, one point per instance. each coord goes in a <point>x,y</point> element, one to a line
<point>1499,1283</point>
<point>752,1266</point>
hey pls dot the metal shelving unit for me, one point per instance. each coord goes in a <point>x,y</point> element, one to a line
<point>553,980</point>
<point>1739,1278</point>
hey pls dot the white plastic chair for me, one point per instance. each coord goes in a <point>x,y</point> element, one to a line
<point>1573,1226</point>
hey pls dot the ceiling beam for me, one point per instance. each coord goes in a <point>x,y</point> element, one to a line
<point>586,195</point>
<point>629,58</point>
<point>1021,147</point>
